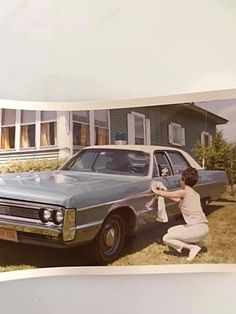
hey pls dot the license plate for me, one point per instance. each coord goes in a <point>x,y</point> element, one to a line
<point>8,234</point>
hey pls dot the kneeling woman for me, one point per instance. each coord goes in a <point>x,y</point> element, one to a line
<point>196,228</point>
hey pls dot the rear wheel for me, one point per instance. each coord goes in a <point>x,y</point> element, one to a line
<point>110,239</point>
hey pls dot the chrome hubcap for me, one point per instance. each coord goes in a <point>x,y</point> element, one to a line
<point>110,237</point>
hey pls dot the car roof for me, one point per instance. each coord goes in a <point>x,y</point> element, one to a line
<point>149,149</point>
<point>145,148</point>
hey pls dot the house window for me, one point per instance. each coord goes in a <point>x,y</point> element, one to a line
<point>206,138</point>
<point>8,129</point>
<point>48,128</point>
<point>81,128</point>
<point>139,132</point>
<point>139,127</point>
<point>101,127</point>
<point>90,127</point>
<point>27,129</point>
<point>176,134</point>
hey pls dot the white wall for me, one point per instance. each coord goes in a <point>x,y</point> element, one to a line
<point>90,50</point>
<point>64,134</point>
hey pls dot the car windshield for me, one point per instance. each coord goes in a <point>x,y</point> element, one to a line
<point>111,161</point>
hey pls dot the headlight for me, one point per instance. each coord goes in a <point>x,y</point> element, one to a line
<point>45,214</point>
<point>57,217</point>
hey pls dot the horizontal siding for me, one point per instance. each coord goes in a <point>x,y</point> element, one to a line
<point>118,121</point>
<point>160,117</point>
<point>193,123</point>
<point>28,155</point>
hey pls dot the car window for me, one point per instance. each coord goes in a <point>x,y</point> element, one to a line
<point>81,161</point>
<point>178,161</point>
<point>121,162</point>
<point>162,162</point>
<point>114,161</point>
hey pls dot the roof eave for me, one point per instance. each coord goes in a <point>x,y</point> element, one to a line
<point>217,119</point>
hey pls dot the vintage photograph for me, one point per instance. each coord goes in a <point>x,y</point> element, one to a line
<point>146,185</point>
<point>117,156</point>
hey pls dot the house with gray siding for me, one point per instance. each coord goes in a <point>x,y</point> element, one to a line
<point>29,134</point>
<point>181,125</point>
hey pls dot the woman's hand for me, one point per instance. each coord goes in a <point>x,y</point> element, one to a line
<point>157,186</point>
<point>158,192</point>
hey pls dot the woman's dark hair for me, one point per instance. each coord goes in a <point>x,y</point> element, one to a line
<point>190,176</point>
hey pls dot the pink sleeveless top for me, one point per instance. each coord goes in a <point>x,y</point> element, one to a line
<point>191,208</point>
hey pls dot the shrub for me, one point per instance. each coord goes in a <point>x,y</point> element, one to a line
<point>32,165</point>
<point>221,155</point>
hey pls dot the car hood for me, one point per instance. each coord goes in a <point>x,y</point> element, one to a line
<point>60,187</point>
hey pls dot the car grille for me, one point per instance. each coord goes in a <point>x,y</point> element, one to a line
<point>10,210</point>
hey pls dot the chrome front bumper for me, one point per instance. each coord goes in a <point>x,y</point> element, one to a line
<point>67,231</point>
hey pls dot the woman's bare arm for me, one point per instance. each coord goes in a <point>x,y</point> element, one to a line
<point>179,194</point>
<point>175,199</point>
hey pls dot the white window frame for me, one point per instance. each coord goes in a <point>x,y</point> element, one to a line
<point>47,121</point>
<point>131,128</point>
<point>171,128</point>
<point>148,131</point>
<point>91,128</point>
<point>203,134</point>
<point>38,122</point>
<point>16,132</point>
<point>17,126</point>
<point>37,129</point>
<point>78,122</point>
<point>107,128</point>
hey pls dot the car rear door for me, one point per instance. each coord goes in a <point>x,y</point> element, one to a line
<point>179,164</point>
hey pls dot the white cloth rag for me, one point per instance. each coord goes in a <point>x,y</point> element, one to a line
<point>161,214</point>
<point>158,201</point>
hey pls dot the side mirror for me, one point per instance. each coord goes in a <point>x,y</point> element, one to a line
<point>164,172</point>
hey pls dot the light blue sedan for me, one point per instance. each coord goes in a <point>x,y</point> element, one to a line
<point>100,195</point>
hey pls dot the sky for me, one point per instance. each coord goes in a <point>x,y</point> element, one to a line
<point>226,109</point>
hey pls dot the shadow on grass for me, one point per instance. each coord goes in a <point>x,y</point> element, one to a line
<point>211,209</point>
<point>153,234</point>
<point>157,231</point>
<point>227,200</point>
<point>19,254</point>
<point>38,256</point>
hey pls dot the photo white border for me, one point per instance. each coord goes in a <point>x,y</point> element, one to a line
<point>117,270</point>
<point>122,103</point>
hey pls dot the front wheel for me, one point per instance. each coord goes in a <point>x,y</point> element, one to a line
<point>110,239</point>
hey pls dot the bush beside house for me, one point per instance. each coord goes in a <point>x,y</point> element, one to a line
<point>32,165</point>
<point>221,155</point>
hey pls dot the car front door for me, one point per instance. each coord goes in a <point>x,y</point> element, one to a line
<point>165,173</point>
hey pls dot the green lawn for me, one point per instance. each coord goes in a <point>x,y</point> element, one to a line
<point>143,249</point>
<point>219,246</point>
